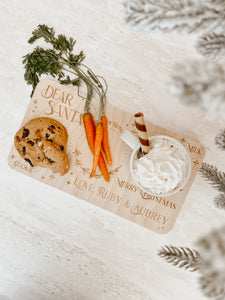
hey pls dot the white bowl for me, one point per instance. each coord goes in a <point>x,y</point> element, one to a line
<point>180,186</point>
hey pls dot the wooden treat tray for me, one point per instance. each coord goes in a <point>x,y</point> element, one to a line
<point>120,196</point>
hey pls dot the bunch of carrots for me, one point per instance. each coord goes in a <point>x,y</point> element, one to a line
<point>97,136</point>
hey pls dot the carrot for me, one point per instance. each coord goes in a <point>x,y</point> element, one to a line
<point>98,145</point>
<point>89,126</point>
<point>90,135</point>
<point>105,141</point>
<point>103,168</point>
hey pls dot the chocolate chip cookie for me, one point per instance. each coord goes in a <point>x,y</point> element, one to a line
<point>42,142</point>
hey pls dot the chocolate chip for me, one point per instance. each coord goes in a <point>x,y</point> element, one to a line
<point>61,148</point>
<point>49,140</point>
<point>50,160</point>
<point>17,138</point>
<point>58,127</point>
<point>27,159</point>
<point>39,157</point>
<point>47,135</point>
<point>50,128</point>
<point>23,150</point>
<point>31,143</point>
<point>25,133</point>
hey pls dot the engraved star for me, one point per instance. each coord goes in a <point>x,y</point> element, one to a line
<point>76,152</point>
<point>134,131</point>
<point>71,173</point>
<point>35,101</point>
<point>12,156</point>
<point>51,176</point>
<point>68,182</point>
<point>181,190</point>
<point>183,140</point>
<point>196,162</point>
<point>42,177</point>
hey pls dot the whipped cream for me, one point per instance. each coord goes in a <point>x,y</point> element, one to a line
<point>164,168</point>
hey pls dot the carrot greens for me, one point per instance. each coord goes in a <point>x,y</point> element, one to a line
<point>59,61</point>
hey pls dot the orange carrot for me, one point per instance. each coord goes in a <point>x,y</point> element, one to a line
<point>103,168</point>
<point>90,134</point>
<point>98,145</point>
<point>89,126</point>
<point>105,141</point>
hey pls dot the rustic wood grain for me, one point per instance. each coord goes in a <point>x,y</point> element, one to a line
<point>120,196</point>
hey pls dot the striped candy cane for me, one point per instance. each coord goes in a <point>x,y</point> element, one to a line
<point>142,132</point>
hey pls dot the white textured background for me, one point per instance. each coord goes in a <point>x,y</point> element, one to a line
<point>54,246</point>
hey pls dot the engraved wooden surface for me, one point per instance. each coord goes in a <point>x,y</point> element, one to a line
<point>120,196</point>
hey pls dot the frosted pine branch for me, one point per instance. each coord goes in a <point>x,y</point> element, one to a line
<point>217,180</point>
<point>200,84</point>
<point>220,201</point>
<point>174,15</point>
<point>212,285</point>
<point>210,264</point>
<point>219,4</point>
<point>211,45</point>
<point>220,140</point>
<point>215,177</point>
<point>212,268</point>
<point>181,257</point>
